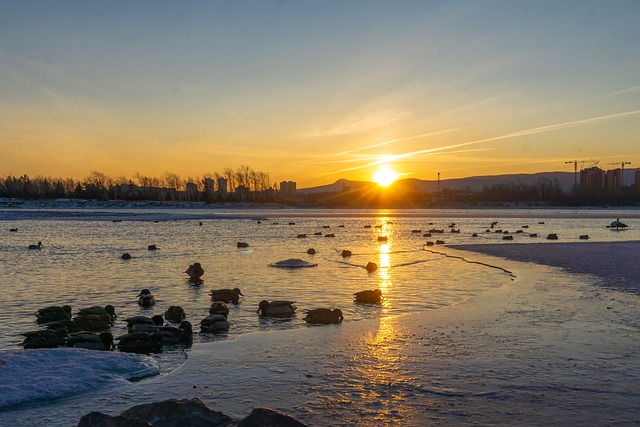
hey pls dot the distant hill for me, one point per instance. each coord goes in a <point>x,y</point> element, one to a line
<point>474,183</point>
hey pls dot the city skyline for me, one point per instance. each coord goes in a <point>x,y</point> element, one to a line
<point>315,92</point>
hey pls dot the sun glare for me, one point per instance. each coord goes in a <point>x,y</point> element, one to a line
<point>385,176</point>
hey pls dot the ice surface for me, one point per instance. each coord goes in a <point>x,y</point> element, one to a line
<point>33,376</point>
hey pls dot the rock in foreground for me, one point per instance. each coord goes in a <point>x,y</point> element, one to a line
<point>185,413</point>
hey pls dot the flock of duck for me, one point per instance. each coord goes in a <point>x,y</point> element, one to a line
<point>90,328</point>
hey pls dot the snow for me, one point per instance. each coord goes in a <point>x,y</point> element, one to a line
<point>32,376</point>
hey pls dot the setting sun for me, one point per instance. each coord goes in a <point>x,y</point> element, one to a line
<point>385,176</point>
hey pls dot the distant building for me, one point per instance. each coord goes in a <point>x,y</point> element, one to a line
<point>592,180</point>
<point>613,182</point>
<point>242,193</point>
<point>191,191</point>
<point>209,187</point>
<point>288,189</point>
<point>222,186</point>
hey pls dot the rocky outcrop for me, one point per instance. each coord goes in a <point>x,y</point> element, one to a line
<point>265,417</point>
<point>185,413</point>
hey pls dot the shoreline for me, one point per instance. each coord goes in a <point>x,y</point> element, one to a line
<point>548,348</point>
<point>141,210</point>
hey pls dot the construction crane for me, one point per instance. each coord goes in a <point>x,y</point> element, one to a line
<point>575,169</point>
<point>621,171</point>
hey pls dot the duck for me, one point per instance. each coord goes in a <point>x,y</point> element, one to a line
<point>146,299</point>
<point>91,341</point>
<point>140,342</point>
<point>175,313</point>
<point>219,307</point>
<point>91,323</point>
<point>53,314</point>
<point>214,323</point>
<point>46,338</point>
<point>177,335</point>
<point>226,295</point>
<point>125,255</point>
<point>279,309</point>
<point>108,312</point>
<point>242,245</point>
<point>369,296</point>
<point>152,248</point>
<point>144,323</point>
<point>346,253</point>
<point>311,251</point>
<point>324,316</point>
<point>38,246</point>
<point>371,267</point>
<point>195,272</point>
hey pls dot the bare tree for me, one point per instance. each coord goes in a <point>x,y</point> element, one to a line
<point>172,180</point>
<point>98,179</point>
<point>230,175</point>
<point>143,181</point>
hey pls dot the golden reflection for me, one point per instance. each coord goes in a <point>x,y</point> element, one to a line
<point>384,264</point>
<point>383,349</point>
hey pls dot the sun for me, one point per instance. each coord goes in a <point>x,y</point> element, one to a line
<point>384,176</point>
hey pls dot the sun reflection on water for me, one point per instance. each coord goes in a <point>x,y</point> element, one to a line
<point>378,386</point>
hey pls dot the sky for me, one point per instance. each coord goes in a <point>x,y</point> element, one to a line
<point>315,91</point>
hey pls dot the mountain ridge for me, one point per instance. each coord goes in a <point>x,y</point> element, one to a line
<point>566,181</point>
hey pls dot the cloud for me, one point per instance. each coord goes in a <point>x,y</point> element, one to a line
<point>620,92</point>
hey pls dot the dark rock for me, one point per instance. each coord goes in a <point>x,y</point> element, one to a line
<point>265,417</point>
<point>98,419</point>
<point>172,412</point>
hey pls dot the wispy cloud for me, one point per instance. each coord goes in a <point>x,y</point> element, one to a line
<point>317,160</point>
<point>620,92</point>
<point>524,132</point>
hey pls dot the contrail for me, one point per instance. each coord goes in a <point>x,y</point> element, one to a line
<point>516,134</point>
<point>380,144</point>
<point>620,92</point>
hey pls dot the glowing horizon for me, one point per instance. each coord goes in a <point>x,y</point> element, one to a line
<point>266,85</point>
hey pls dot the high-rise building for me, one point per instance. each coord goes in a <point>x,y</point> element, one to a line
<point>191,190</point>
<point>209,187</point>
<point>613,182</point>
<point>288,189</point>
<point>592,180</point>
<point>222,186</point>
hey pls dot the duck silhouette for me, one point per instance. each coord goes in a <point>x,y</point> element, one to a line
<point>219,307</point>
<point>144,323</point>
<point>146,299</point>
<point>175,313</point>
<point>278,309</point>
<point>177,335</point>
<point>214,323</point>
<point>141,343</point>
<point>47,338</point>
<point>91,341</point>
<point>369,296</point>
<point>53,314</point>
<point>226,295</point>
<point>108,312</point>
<point>324,316</point>
<point>195,272</point>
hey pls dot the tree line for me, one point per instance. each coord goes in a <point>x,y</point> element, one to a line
<point>98,184</point>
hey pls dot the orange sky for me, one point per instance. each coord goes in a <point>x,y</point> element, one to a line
<point>314,92</point>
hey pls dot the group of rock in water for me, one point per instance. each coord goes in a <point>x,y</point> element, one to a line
<point>89,328</point>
